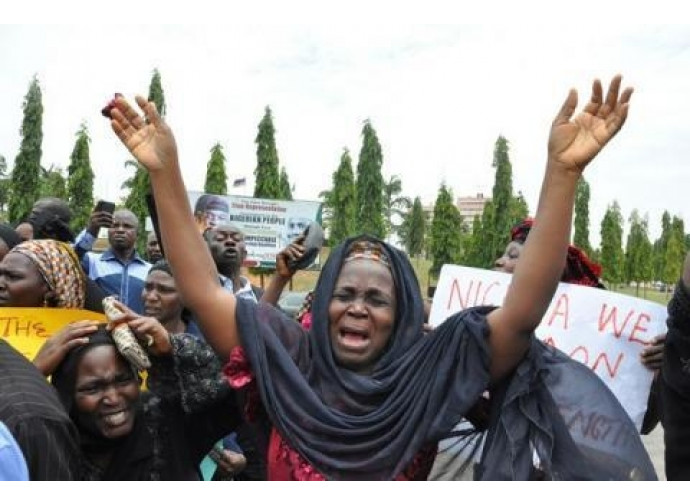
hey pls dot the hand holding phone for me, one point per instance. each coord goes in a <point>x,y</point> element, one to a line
<point>104,206</point>
<point>102,216</point>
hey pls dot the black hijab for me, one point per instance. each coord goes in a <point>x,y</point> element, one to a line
<point>131,455</point>
<point>352,426</point>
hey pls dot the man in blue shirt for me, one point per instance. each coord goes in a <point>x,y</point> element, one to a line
<point>119,270</point>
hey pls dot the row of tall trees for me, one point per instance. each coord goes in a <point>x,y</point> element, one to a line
<point>358,202</point>
<point>30,181</point>
<point>641,260</point>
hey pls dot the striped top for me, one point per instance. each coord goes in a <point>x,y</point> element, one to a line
<point>33,414</point>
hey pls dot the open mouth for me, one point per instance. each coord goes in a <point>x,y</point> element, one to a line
<point>352,339</point>
<point>116,419</point>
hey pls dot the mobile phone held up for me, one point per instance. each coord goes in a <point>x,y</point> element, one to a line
<point>312,245</point>
<point>105,206</point>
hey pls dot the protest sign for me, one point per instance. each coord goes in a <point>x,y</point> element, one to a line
<point>268,225</point>
<point>604,330</point>
<point>26,329</point>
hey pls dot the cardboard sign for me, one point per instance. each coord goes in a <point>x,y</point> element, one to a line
<point>603,330</point>
<point>26,329</point>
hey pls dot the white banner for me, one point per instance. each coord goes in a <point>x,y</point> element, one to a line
<point>268,225</point>
<point>603,330</point>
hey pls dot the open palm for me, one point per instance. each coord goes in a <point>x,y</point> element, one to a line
<point>151,142</point>
<point>575,142</point>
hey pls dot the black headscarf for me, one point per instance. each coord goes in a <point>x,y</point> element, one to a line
<point>352,426</point>
<point>131,455</point>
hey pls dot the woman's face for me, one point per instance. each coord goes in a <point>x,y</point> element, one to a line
<point>361,314</point>
<point>160,297</point>
<point>106,392</point>
<point>509,259</point>
<point>21,284</point>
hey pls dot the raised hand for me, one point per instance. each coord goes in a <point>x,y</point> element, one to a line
<point>293,252</point>
<point>574,142</point>
<point>58,345</point>
<point>149,331</point>
<point>150,141</point>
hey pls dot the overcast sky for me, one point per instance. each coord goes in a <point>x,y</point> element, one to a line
<point>437,96</point>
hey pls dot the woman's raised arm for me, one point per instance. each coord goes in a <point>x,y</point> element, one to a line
<point>152,143</point>
<point>573,143</point>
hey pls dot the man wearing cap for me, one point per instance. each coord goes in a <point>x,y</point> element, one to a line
<point>210,210</point>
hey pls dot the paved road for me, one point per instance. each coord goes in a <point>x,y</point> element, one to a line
<point>654,442</point>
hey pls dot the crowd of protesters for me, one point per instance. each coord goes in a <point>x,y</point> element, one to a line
<point>356,386</point>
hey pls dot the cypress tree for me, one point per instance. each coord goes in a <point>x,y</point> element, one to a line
<point>611,244</point>
<point>216,178</point>
<point>266,175</point>
<point>673,260</point>
<point>156,94</point>
<point>413,229</point>
<point>24,185</point>
<point>80,181</point>
<point>581,237</point>
<point>341,201</point>
<point>660,246</point>
<point>446,236</point>
<point>501,200</point>
<point>485,255</point>
<point>637,252</point>
<point>370,218</point>
<point>285,189</point>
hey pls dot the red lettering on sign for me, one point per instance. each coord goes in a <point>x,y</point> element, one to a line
<point>612,318</point>
<point>455,290</point>
<point>639,328</point>
<point>561,310</point>
<point>584,351</point>
<point>603,357</point>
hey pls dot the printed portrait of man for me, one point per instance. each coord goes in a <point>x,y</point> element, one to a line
<point>210,210</point>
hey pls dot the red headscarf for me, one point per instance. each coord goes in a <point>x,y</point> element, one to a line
<point>579,269</point>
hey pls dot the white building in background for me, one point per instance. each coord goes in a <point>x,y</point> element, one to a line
<point>471,206</point>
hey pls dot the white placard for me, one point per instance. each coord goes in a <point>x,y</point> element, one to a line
<point>604,330</point>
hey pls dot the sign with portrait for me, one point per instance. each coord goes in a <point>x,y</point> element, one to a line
<point>268,225</point>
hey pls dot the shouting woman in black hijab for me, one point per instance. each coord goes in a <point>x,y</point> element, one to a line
<point>364,395</point>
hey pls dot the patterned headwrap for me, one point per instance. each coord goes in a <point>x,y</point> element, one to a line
<point>364,249</point>
<point>579,269</point>
<point>59,267</point>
